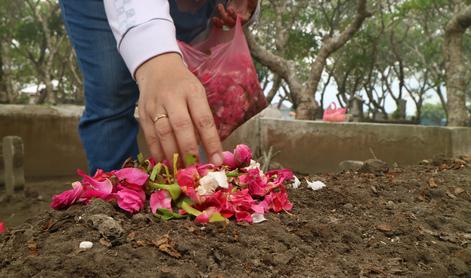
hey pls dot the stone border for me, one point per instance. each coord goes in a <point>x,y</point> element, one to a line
<point>312,146</point>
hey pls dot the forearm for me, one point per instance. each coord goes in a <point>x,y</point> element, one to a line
<point>143,29</point>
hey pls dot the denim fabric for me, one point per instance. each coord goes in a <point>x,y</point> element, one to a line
<point>107,128</point>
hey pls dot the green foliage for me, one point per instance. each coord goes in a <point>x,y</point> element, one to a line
<point>25,51</point>
<point>433,114</point>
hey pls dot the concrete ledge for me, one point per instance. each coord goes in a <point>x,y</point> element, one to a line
<point>310,146</point>
<point>53,148</point>
<point>51,142</point>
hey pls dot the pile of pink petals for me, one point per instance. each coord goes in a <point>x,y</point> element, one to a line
<point>238,189</point>
<point>233,95</point>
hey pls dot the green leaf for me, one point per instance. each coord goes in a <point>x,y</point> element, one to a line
<point>140,158</point>
<point>155,171</point>
<point>186,207</point>
<point>234,173</point>
<point>190,159</point>
<point>166,214</point>
<point>167,173</point>
<point>217,217</point>
<point>173,189</point>
<point>148,165</point>
<point>175,162</point>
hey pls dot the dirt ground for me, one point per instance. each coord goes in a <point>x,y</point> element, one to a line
<point>413,222</point>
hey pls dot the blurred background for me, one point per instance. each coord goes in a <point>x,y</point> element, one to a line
<point>390,56</point>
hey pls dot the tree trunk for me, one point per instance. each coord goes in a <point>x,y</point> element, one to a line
<point>274,89</point>
<point>7,93</point>
<point>458,114</point>
<point>307,106</point>
<point>3,85</point>
<point>50,94</point>
<point>442,100</point>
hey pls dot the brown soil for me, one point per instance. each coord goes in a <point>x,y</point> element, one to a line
<point>413,222</point>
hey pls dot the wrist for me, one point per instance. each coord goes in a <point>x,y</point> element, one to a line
<point>158,65</point>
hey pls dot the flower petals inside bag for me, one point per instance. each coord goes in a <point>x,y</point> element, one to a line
<point>224,66</point>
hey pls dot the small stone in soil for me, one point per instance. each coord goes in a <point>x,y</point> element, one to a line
<point>385,228</point>
<point>374,166</point>
<point>350,165</point>
<point>107,226</point>
<point>348,206</point>
<point>458,190</point>
<point>86,245</point>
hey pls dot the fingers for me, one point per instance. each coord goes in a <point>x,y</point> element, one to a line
<point>165,135</point>
<point>204,122</point>
<point>232,13</point>
<point>225,16</point>
<point>151,138</point>
<point>218,23</point>
<point>182,126</point>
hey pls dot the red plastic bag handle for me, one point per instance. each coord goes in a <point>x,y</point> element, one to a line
<point>332,106</point>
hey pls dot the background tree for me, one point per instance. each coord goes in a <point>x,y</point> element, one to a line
<point>455,65</point>
<point>303,90</point>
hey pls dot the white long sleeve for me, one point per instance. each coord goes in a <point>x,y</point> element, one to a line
<point>143,29</point>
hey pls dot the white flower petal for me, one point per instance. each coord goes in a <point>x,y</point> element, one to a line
<point>207,185</point>
<point>315,185</point>
<point>86,245</point>
<point>220,178</point>
<point>258,218</point>
<point>296,183</point>
<point>253,165</point>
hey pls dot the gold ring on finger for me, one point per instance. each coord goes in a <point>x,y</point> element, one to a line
<point>159,116</point>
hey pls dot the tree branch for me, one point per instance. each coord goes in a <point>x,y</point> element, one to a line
<point>333,44</point>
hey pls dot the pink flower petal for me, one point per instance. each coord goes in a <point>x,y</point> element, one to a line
<point>130,200</point>
<point>187,177</point>
<point>67,198</point>
<point>228,160</point>
<point>2,227</point>
<point>278,177</point>
<point>243,216</point>
<point>242,155</point>
<point>105,187</point>
<point>203,218</point>
<point>279,201</point>
<point>132,175</point>
<point>204,169</point>
<point>160,199</point>
<point>259,208</point>
<point>255,181</point>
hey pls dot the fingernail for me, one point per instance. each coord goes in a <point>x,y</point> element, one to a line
<point>216,159</point>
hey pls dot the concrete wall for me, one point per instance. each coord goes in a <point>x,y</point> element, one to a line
<point>52,145</point>
<point>51,142</point>
<point>309,146</point>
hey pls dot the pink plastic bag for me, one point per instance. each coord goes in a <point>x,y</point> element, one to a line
<point>334,114</point>
<point>224,66</point>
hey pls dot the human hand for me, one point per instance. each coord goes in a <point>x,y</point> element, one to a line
<point>228,17</point>
<point>168,88</point>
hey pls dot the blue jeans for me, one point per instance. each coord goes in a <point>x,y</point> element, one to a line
<point>108,129</point>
